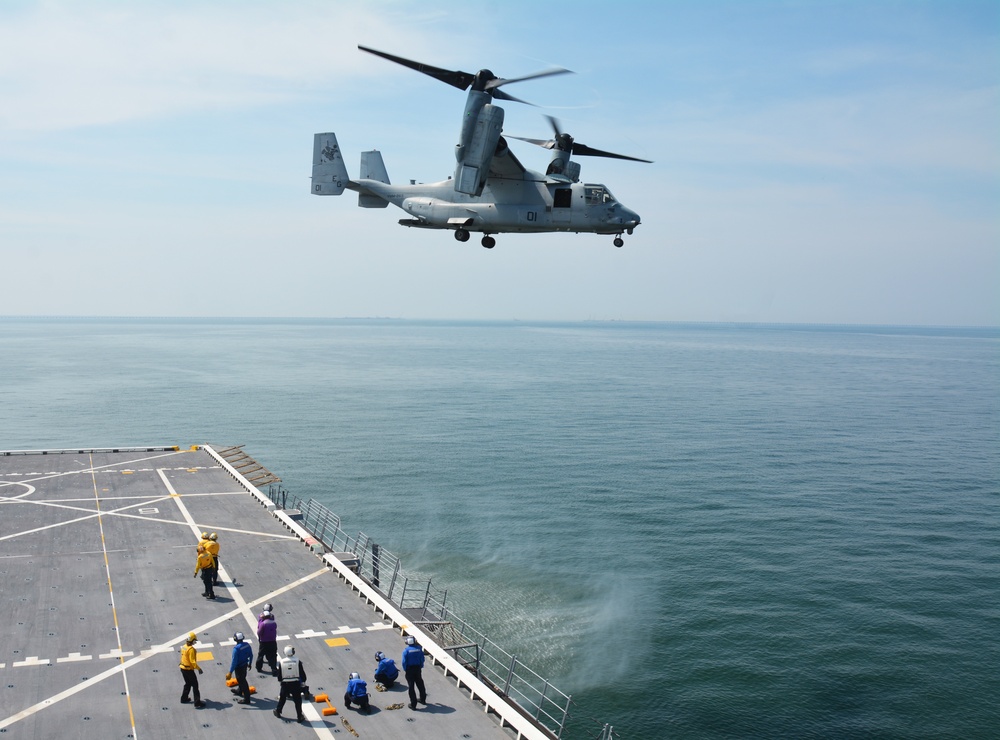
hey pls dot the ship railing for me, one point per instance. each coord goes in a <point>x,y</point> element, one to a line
<point>531,694</point>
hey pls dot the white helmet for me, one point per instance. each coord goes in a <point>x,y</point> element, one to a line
<point>268,608</point>
<point>355,675</point>
<point>239,637</point>
<point>265,613</point>
<point>411,640</point>
<point>289,651</point>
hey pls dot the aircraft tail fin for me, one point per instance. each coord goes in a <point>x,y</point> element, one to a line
<point>372,168</point>
<point>329,173</point>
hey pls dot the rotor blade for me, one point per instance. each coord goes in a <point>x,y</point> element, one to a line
<point>501,95</point>
<point>545,143</point>
<point>555,125</point>
<point>586,151</point>
<point>493,84</point>
<point>455,78</point>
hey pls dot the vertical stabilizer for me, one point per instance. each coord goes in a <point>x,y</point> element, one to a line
<point>329,173</point>
<point>372,168</point>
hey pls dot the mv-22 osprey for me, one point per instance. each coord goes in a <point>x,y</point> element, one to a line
<point>491,192</point>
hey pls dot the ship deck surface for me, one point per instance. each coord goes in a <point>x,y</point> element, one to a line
<point>97,552</point>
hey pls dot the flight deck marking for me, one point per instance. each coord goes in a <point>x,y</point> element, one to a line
<point>230,586</point>
<point>120,512</point>
<point>156,650</point>
<point>74,657</point>
<point>345,629</point>
<point>31,660</point>
<point>100,468</point>
<point>117,653</point>
<point>111,595</point>
<point>309,633</point>
<point>337,641</point>
<point>31,489</point>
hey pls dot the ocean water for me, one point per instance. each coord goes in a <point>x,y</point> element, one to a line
<point>700,531</point>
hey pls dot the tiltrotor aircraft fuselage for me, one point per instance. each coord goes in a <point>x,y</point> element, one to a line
<point>491,191</point>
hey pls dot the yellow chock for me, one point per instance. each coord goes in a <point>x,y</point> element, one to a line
<point>253,689</point>
<point>231,682</point>
<point>329,708</point>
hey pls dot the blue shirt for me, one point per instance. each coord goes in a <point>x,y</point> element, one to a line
<point>357,687</point>
<point>242,655</point>
<point>413,657</point>
<point>387,668</point>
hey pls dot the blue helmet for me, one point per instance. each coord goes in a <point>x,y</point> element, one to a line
<point>379,656</point>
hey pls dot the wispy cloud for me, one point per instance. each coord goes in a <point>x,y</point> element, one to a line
<point>64,65</point>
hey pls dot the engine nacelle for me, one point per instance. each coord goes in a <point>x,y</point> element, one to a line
<point>474,167</point>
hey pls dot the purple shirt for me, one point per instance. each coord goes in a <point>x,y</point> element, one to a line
<point>267,630</point>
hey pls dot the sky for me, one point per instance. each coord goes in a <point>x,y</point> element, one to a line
<point>813,162</point>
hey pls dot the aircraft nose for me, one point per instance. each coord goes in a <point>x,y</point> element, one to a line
<point>630,217</point>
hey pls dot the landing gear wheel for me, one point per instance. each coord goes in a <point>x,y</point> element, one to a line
<point>489,242</point>
<point>462,235</point>
<point>619,242</point>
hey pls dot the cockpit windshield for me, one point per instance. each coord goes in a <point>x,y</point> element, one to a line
<point>598,195</point>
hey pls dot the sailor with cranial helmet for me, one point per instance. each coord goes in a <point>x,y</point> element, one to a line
<point>189,664</point>
<point>240,664</point>
<point>267,640</point>
<point>212,546</point>
<point>413,664</point>
<point>357,692</point>
<point>292,675</point>
<point>386,671</point>
<point>205,566</point>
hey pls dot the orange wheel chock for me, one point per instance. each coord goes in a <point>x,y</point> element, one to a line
<point>329,708</point>
<point>232,682</point>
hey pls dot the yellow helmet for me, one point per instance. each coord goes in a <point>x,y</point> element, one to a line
<point>204,535</point>
<point>192,637</point>
<point>213,537</point>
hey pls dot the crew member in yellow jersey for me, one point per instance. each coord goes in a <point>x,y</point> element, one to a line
<point>212,545</point>
<point>189,664</point>
<point>205,565</point>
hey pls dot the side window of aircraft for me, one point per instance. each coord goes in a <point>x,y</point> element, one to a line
<point>597,195</point>
<point>563,198</point>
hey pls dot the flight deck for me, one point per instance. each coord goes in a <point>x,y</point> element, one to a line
<point>97,556</point>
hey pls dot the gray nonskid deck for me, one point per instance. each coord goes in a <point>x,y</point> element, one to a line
<point>97,552</point>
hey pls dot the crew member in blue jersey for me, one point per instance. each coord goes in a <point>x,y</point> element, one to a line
<point>242,658</point>
<point>386,671</point>
<point>357,693</point>
<point>413,665</point>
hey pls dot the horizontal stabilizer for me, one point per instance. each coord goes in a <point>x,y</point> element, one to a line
<point>329,173</point>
